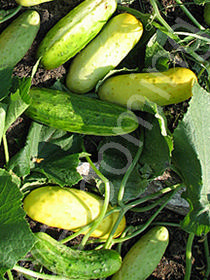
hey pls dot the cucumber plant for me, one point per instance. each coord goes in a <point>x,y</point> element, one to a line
<point>51,156</point>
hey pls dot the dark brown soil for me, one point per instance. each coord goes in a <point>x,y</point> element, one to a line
<point>172,266</point>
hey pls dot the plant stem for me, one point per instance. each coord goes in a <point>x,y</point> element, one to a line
<point>169,224</point>
<point>101,216</point>
<point>6,151</point>
<point>189,256</point>
<point>10,15</point>
<point>109,240</point>
<point>159,17</point>
<point>189,15</point>
<point>9,274</point>
<point>148,207</point>
<point>171,34</point>
<point>151,219</point>
<point>207,255</point>
<point>127,174</point>
<point>205,39</point>
<point>37,274</point>
<point>152,196</point>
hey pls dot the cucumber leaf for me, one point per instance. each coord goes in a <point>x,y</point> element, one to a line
<point>191,159</point>
<point>19,101</point>
<point>115,156</point>
<point>16,239</point>
<point>5,81</point>
<point>54,153</point>
<point>156,57</point>
<point>156,154</point>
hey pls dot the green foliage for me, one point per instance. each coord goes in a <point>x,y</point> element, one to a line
<point>51,152</point>
<point>16,239</point>
<point>5,81</point>
<point>191,158</point>
<point>156,57</point>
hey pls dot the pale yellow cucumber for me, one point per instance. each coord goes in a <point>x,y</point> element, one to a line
<point>163,88</point>
<point>28,3</point>
<point>69,209</point>
<point>142,259</point>
<point>104,52</point>
<point>74,31</point>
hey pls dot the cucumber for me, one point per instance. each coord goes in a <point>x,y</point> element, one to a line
<point>104,52</point>
<point>142,259</point>
<point>17,38</point>
<point>69,209</point>
<point>163,88</point>
<point>74,31</point>
<point>79,114</point>
<point>74,264</point>
<point>28,3</point>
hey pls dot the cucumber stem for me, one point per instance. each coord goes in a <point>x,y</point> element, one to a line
<point>6,151</point>
<point>170,33</point>
<point>109,241</point>
<point>10,14</point>
<point>101,216</point>
<point>127,207</point>
<point>37,274</point>
<point>159,17</point>
<point>152,196</point>
<point>127,174</point>
<point>9,274</point>
<point>189,15</point>
<point>148,207</point>
<point>189,256</point>
<point>141,228</point>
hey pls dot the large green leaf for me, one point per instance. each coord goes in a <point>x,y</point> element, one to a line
<point>16,239</point>
<point>115,156</point>
<point>5,81</point>
<point>55,153</point>
<point>191,159</point>
<point>158,143</point>
<point>155,158</point>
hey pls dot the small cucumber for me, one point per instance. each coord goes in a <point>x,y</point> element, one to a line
<point>28,3</point>
<point>74,31</point>
<point>104,53</point>
<point>163,88</point>
<point>142,259</point>
<point>79,114</point>
<point>206,14</point>
<point>74,264</point>
<point>70,209</point>
<point>17,38</point>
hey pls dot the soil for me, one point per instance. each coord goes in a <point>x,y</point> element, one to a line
<point>172,265</point>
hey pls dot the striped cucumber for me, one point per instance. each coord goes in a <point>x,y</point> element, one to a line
<point>72,263</point>
<point>142,259</point>
<point>104,52</point>
<point>17,38</point>
<point>74,31</point>
<point>28,3</point>
<point>79,114</point>
<point>163,88</point>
